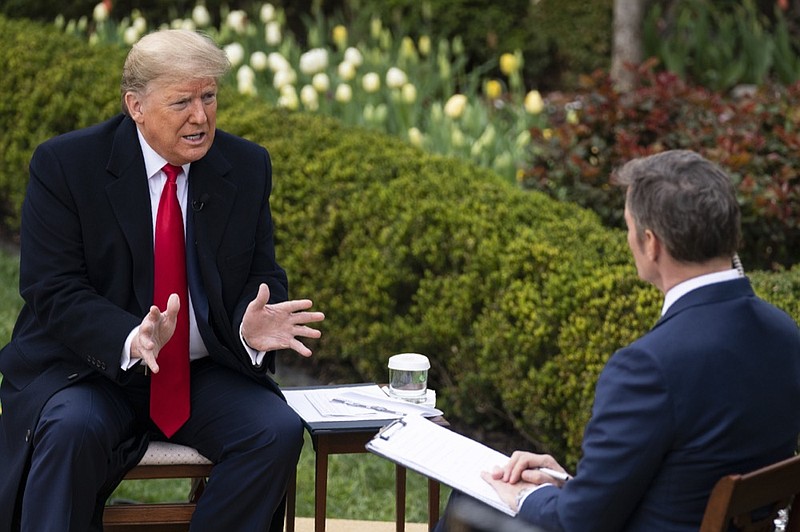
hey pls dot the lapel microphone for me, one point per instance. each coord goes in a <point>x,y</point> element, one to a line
<point>198,204</point>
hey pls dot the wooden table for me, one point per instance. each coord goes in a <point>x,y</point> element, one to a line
<point>350,437</point>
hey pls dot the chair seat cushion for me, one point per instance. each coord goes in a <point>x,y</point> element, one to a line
<point>165,453</point>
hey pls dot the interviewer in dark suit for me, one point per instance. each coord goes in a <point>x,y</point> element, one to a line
<point>76,374</point>
<point>710,390</point>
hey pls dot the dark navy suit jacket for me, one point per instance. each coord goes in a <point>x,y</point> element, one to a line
<point>711,390</point>
<point>86,272</point>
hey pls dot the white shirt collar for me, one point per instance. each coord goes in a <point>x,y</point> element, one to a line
<point>681,289</point>
<point>153,162</point>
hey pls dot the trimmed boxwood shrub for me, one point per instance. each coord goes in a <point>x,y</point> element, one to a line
<point>51,83</point>
<point>518,299</point>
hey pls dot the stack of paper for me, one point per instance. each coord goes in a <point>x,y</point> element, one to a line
<point>352,403</point>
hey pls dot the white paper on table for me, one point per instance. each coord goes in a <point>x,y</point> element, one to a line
<point>317,404</point>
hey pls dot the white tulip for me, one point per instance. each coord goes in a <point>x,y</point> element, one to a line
<point>100,13</point>
<point>415,137</point>
<point>395,78</point>
<point>455,106</point>
<point>259,61</point>
<point>283,78</point>
<point>346,70</point>
<point>320,82</point>
<point>130,36</point>
<point>288,101</point>
<point>353,56</point>
<point>237,21</point>
<point>140,24</point>
<point>408,93</point>
<point>235,53</point>
<point>344,93</point>
<point>277,62</point>
<point>313,61</point>
<point>267,13</point>
<point>245,80</point>
<point>245,74</point>
<point>371,82</point>
<point>201,16</point>
<point>308,95</point>
<point>273,33</point>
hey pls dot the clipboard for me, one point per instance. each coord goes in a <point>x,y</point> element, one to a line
<point>439,453</point>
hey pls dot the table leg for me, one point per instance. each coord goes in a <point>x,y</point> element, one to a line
<point>320,489</point>
<point>291,500</point>
<point>433,504</point>
<point>400,503</point>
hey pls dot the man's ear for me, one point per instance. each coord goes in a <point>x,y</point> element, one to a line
<point>134,105</point>
<point>652,245</point>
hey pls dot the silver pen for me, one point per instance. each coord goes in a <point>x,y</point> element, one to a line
<point>371,407</point>
<point>555,474</point>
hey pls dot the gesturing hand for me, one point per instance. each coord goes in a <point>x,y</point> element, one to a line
<point>155,331</point>
<point>267,327</point>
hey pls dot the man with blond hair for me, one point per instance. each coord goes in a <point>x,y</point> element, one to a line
<point>153,307</point>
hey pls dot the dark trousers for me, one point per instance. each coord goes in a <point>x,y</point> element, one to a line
<point>87,433</point>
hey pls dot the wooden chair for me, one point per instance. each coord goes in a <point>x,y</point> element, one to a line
<point>735,497</point>
<point>162,460</point>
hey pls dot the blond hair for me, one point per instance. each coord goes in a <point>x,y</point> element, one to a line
<point>170,56</point>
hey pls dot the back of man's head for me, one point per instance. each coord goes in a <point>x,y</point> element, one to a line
<point>687,201</point>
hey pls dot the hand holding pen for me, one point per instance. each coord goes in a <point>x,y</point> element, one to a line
<point>533,468</point>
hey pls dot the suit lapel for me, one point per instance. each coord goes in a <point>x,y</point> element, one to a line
<point>211,198</point>
<point>127,194</point>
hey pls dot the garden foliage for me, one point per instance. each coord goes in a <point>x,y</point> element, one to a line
<point>723,44</point>
<point>518,299</point>
<point>51,83</point>
<point>754,136</point>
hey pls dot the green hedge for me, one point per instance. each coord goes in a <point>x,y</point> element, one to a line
<point>518,299</point>
<point>51,83</point>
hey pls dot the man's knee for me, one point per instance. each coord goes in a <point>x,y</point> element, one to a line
<point>81,418</point>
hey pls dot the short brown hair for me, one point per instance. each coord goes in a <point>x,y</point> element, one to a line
<point>686,200</point>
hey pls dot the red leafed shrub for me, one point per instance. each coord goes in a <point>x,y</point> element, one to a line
<point>754,135</point>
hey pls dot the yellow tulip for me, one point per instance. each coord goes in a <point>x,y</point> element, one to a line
<point>572,117</point>
<point>424,45</point>
<point>493,89</point>
<point>508,64</point>
<point>339,36</point>
<point>533,102</point>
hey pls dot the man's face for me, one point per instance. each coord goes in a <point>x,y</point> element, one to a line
<point>178,120</point>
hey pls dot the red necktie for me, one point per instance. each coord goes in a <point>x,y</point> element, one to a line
<point>169,388</point>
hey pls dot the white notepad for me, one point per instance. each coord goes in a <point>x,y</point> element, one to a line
<point>437,452</point>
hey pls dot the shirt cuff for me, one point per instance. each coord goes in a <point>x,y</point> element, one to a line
<point>125,361</point>
<point>523,495</point>
<point>256,357</point>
